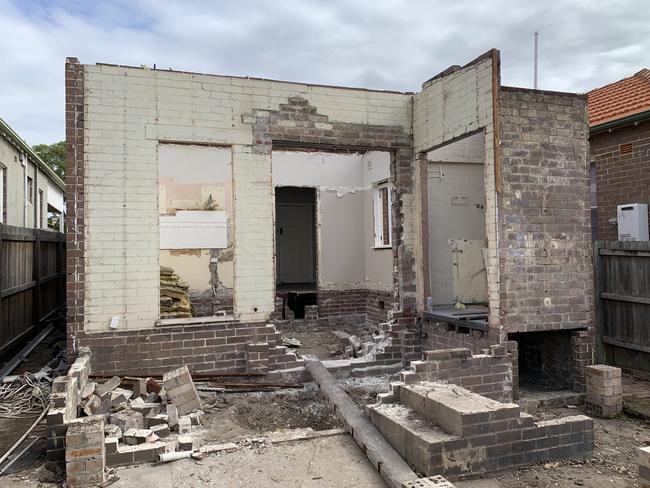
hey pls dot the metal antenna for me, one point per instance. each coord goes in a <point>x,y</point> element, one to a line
<point>536,49</point>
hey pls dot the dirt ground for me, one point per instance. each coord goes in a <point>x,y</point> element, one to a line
<point>231,416</point>
<point>236,416</point>
<point>613,464</point>
<point>329,462</point>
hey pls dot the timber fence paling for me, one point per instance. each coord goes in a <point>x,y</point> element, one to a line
<point>32,280</point>
<point>622,279</point>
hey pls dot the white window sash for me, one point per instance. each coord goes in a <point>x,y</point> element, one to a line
<point>378,225</point>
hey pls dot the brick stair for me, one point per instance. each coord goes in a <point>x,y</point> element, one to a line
<point>489,374</point>
<point>445,429</point>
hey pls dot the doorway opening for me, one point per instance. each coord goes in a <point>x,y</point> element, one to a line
<point>456,221</point>
<point>295,238</point>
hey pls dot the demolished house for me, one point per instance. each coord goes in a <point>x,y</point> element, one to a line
<point>207,213</point>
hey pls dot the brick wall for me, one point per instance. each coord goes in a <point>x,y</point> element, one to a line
<point>621,176</point>
<point>440,335</point>
<point>489,374</point>
<point>544,217</point>
<point>374,304</point>
<point>75,195</point>
<point>132,109</point>
<point>211,348</point>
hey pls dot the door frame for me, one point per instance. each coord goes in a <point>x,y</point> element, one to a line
<point>315,230</point>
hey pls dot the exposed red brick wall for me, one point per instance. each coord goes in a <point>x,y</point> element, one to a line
<point>378,305</point>
<point>440,335</point>
<point>356,301</point>
<point>342,302</point>
<point>74,179</point>
<point>620,177</point>
<point>211,348</point>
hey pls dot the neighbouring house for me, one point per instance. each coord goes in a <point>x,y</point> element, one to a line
<point>31,194</point>
<point>202,209</point>
<point>619,137</point>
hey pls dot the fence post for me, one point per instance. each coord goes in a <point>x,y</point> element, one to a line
<point>61,271</point>
<point>4,273</point>
<point>599,281</point>
<point>36,291</point>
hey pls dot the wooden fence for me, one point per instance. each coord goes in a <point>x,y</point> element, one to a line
<point>32,280</point>
<point>622,278</point>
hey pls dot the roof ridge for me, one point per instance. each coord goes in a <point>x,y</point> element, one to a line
<point>620,99</point>
<point>644,74</point>
<point>613,83</point>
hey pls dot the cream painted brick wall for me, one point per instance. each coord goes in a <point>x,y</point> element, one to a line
<point>128,110</point>
<point>254,208</point>
<point>449,107</point>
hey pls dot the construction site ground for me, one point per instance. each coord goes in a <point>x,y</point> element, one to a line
<point>335,460</point>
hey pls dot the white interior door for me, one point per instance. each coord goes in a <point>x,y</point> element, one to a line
<point>294,234</point>
<point>456,232</point>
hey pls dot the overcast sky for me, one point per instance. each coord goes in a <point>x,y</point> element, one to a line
<point>384,44</point>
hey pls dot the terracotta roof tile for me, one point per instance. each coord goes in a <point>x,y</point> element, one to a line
<point>620,99</point>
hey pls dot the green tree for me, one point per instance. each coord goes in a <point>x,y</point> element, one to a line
<point>53,155</point>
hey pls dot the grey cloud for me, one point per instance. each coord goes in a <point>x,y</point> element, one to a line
<point>384,44</point>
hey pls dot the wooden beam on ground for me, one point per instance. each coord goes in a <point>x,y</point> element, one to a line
<point>392,468</point>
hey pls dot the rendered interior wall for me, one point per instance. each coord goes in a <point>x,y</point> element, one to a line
<point>128,112</point>
<point>344,183</point>
<point>456,221</point>
<point>196,221</point>
<point>378,261</point>
<point>454,104</point>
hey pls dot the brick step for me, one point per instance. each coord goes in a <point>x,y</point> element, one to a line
<point>495,437</point>
<point>416,438</point>
<point>457,410</point>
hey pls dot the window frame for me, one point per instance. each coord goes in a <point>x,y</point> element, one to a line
<point>3,192</point>
<point>29,190</point>
<point>379,239</point>
<point>40,199</point>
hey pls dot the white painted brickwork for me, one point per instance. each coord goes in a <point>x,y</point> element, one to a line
<point>449,107</point>
<point>128,110</point>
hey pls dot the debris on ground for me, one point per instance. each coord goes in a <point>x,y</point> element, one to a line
<point>27,394</point>
<point>144,411</point>
<point>174,299</point>
<point>340,341</point>
<point>291,342</point>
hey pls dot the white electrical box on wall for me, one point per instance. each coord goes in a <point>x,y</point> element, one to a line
<point>632,222</point>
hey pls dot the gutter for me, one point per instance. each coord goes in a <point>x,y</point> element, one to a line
<point>12,136</point>
<point>630,119</point>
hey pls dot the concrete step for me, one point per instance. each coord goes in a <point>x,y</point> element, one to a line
<point>416,438</point>
<point>456,410</point>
